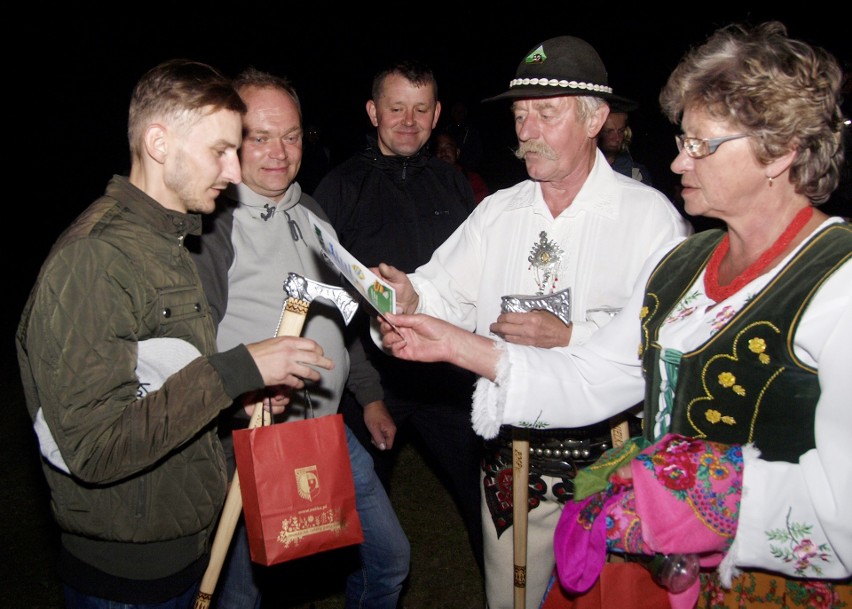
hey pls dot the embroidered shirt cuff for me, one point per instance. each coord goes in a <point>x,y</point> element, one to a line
<point>489,398</point>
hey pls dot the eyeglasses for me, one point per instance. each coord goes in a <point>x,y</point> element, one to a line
<point>697,148</point>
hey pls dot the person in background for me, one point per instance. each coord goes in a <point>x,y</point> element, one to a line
<point>466,134</point>
<point>393,201</point>
<point>575,224</point>
<point>614,140</point>
<point>316,158</point>
<point>744,337</point>
<point>447,150</point>
<point>259,234</point>
<point>118,358</point>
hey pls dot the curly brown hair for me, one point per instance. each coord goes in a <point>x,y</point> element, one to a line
<point>784,92</point>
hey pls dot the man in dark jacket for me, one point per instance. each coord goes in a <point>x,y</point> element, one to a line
<point>393,201</point>
<point>117,351</point>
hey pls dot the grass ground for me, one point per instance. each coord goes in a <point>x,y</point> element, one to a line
<point>443,571</point>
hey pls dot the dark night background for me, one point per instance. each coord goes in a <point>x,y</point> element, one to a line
<point>74,97</point>
<point>68,94</point>
<point>69,75</point>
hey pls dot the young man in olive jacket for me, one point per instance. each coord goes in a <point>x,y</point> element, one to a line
<point>117,351</point>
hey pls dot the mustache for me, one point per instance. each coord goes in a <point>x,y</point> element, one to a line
<point>540,148</point>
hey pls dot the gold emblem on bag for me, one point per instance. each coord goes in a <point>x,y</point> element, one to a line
<point>307,481</point>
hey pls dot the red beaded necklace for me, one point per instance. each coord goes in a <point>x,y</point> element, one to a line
<point>711,276</point>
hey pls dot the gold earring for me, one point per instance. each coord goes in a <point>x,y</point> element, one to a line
<point>770,181</point>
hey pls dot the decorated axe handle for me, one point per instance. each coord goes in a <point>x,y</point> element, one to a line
<point>292,320</point>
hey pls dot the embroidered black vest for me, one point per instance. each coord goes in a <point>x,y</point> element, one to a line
<point>744,384</point>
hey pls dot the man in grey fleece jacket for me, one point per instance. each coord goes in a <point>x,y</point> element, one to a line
<point>260,233</point>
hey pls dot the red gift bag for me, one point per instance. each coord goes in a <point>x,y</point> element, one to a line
<point>297,488</point>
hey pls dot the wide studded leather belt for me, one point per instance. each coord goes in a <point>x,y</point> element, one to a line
<point>556,453</point>
<point>562,452</point>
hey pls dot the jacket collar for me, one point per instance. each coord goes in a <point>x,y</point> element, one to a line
<point>260,206</point>
<point>373,155</point>
<point>150,211</point>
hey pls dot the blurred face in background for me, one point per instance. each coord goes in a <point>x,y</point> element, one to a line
<point>446,149</point>
<point>272,146</point>
<point>611,140</point>
<point>404,116</point>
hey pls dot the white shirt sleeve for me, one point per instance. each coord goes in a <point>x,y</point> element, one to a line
<point>796,518</point>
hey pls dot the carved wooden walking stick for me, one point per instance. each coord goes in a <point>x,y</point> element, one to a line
<point>558,303</point>
<point>300,293</point>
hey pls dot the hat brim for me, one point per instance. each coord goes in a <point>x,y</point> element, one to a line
<point>622,104</point>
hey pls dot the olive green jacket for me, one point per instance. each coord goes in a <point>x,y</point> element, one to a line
<point>146,474</point>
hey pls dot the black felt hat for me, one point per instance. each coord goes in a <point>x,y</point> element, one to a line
<point>565,65</point>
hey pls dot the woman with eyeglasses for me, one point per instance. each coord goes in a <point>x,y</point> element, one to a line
<point>739,340</point>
